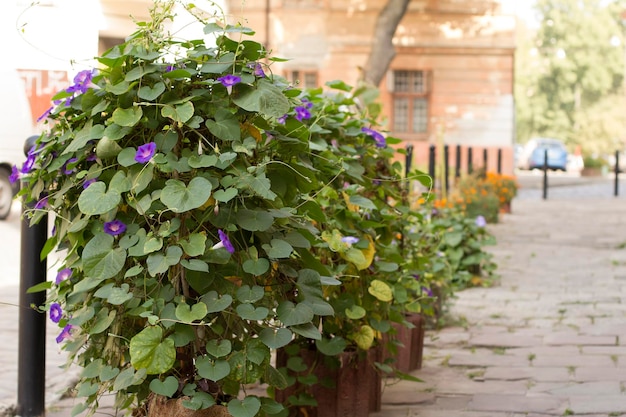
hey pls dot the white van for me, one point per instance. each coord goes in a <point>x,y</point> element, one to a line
<point>17,126</point>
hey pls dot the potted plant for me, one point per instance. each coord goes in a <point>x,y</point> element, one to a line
<point>165,171</point>
<point>201,226</point>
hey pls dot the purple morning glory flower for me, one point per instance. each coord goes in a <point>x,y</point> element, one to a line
<point>115,227</point>
<point>92,157</point>
<point>427,291</point>
<point>15,175</point>
<point>349,239</point>
<point>282,119</point>
<point>302,113</point>
<point>225,241</point>
<point>45,114</point>
<point>28,164</point>
<point>56,312</point>
<point>169,68</point>
<point>65,333</point>
<point>229,80</point>
<point>41,203</point>
<point>378,137</point>
<point>480,221</point>
<point>307,103</point>
<point>88,182</point>
<point>62,275</point>
<point>66,170</point>
<point>145,152</point>
<point>81,82</point>
<point>258,69</point>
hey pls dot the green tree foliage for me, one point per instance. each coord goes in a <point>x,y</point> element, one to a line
<point>570,75</point>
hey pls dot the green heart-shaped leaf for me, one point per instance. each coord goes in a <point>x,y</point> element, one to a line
<point>216,303</point>
<point>218,349</point>
<point>275,338</point>
<point>195,245</point>
<point>256,266</point>
<point>225,126</point>
<point>180,197</point>
<point>96,200</point>
<point>166,388</point>
<point>293,314</point>
<point>248,407</point>
<point>278,248</point>
<point>151,93</point>
<point>100,259</point>
<point>331,347</point>
<point>107,373</point>
<point>364,338</point>
<point>159,263</point>
<point>226,195</point>
<point>249,312</point>
<point>212,370</point>
<point>189,314</point>
<point>247,294</point>
<point>381,290</point>
<point>355,312</point>
<point>179,113</point>
<point>127,117</point>
<point>254,220</point>
<point>148,350</point>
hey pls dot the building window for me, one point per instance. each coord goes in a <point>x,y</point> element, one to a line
<point>410,90</point>
<point>304,79</point>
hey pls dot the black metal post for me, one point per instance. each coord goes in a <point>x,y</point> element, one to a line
<point>469,160</point>
<point>446,167</point>
<point>431,162</point>
<point>408,162</point>
<point>616,189</point>
<point>457,157</point>
<point>485,161</point>
<point>545,174</point>
<point>31,362</point>
<point>499,161</point>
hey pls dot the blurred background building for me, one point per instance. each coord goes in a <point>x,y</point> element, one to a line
<point>451,81</point>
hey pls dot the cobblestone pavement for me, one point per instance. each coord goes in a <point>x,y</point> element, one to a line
<point>548,340</point>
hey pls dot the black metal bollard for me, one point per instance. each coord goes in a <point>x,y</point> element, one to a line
<point>485,159</point>
<point>499,161</point>
<point>31,362</point>
<point>616,188</point>
<point>469,160</point>
<point>457,157</point>
<point>545,174</point>
<point>431,163</point>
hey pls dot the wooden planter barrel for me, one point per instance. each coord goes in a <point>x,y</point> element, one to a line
<point>356,390</point>
<point>159,406</point>
<point>410,350</point>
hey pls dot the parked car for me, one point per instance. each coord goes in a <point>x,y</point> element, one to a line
<point>17,126</point>
<point>534,153</point>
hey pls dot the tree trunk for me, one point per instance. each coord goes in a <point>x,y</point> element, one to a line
<point>383,51</point>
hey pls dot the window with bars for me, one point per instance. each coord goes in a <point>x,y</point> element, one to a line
<point>410,91</point>
<point>305,79</point>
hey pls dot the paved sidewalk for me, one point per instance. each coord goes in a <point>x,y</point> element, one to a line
<point>550,340</point>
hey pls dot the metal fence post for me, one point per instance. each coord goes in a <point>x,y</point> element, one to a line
<point>545,174</point>
<point>31,363</point>
<point>485,159</point>
<point>616,188</point>
<point>469,160</point>
<point>431,163</point>
<point>499,160</point>
<point>446,168</point>
<point>457,168</point>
